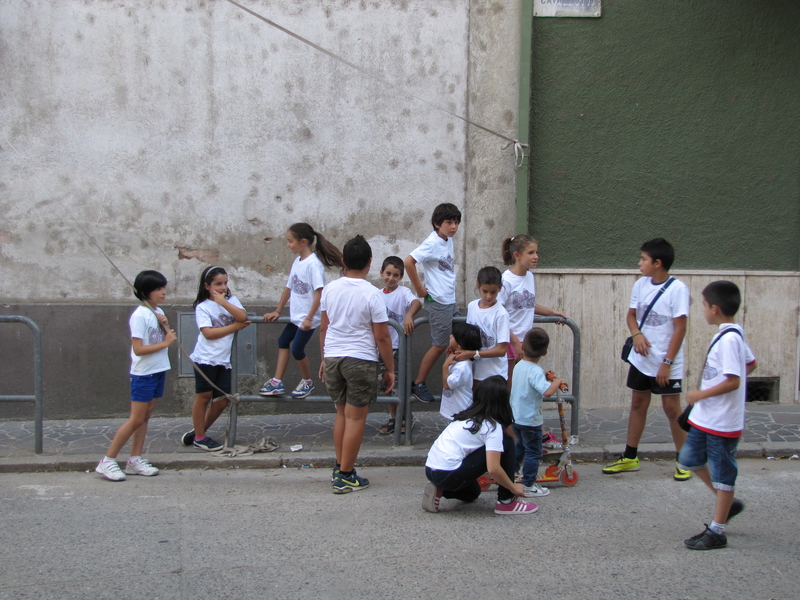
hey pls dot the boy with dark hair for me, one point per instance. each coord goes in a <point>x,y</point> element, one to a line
<point>529,386</point>
<point>353,332</point>
<point>656,319</point>
<point>401,305</point>
<point>439,292</point>
<point>717,417</point>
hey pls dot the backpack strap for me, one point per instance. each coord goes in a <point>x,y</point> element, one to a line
<point>653,303</point>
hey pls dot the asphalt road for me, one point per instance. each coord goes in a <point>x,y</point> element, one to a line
<point>243,534</point>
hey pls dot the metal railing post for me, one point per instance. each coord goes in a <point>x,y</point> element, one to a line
<point>36,398</point>
<point>230,440</point>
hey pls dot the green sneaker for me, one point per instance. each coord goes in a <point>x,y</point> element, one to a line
<point>344,485</point>
<point>621,465</point>
<point>681,474</point>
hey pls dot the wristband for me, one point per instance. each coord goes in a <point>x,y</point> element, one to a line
<point>668,362</point>
<point>635,334</point>
<point>477,355</point>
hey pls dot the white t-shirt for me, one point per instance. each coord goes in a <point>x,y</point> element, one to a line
<point>459,396</point>
<point>397,304</point>
<point>305,278</point>
<point>352,306</point>
<point>436,257</point>
<point>724,415</point>
<point>518,297</point>
<point>144,326</point>
<point>214,352</point>
<point>527,386</point>
<point>493,323</point>
<point>659,326</point>
<point>456,442</point>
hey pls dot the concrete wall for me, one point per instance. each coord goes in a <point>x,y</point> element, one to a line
<point>186,133</point>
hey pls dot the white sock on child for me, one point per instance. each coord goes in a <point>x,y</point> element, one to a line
<point>716,527</point>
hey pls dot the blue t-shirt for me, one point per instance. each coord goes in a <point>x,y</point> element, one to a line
<point>527,387</point>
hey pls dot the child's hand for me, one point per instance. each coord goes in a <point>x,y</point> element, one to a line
<point>408,324</point>
<point>306,324</point>
<point>662,376</point>
<point>216,296</point>
<point>388,382</point>
<point>422,292</point>
<point>170,337</point>
<point>641,345</point>
<point>321,373</point>
<point>239,325</point>
<point>460,355</point>
<point>162,320</point>
<point>693,397</point>
<point>518,348</point>
<point>450,358</point>
<point>273,316</point>
<point>560,314</point>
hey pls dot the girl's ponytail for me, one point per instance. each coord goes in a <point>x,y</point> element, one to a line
<point>328,254</point>
<point>518,243</point>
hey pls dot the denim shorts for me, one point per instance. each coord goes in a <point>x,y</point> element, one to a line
<point>145,388</point>
<point>715,451</point>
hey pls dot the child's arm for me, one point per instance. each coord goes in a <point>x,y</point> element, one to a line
<point>448,361</point>
<point>553,387</point>
<point>662,377</point>
<point>384,342</point>
<point>496,352</point>
<point>411,270</point>
<point>751,367</point>
<point>323,331</point>
<point>309,320</point>
<point>640,343</point>
<point>408,322</point>
<point>273,316</point>
<point>214,333</point>
<point>237,313</point>
<point>730,384</point>
<point>141,350</point>
<point>515,343</point>
<point>548,312</point>
<point>499,475</point>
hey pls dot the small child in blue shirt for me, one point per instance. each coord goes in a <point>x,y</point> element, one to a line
<point>529,386</point>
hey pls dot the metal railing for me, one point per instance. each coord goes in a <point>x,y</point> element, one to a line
<point>404,398</point>
<point>36,398</point>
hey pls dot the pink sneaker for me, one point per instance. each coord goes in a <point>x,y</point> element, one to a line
<point>515,507</point>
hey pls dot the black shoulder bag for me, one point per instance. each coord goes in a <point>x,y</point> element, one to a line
<point>683,420</point>
<point>628,345</point>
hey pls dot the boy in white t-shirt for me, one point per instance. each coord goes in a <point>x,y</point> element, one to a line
<point>657,356</point>
<point>492,319</point>
<point>717,417</point>
<point>439,292</point>
<point>401,305</point>
<point>150,338</point>
<point>353,332</point>
<point>457,375</point>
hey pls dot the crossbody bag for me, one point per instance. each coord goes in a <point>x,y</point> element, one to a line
<point>628,345</point>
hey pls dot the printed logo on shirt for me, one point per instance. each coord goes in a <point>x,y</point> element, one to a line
<point>394,315</point>
<point>298,286</point>
<point>487,341</point>
<point>446,264</point>
<point>523,299</point>
<point>654,319</point>
<point>155,335</point>
<point>447,393</point>
<point>709,372</point>
<point>222,320</point>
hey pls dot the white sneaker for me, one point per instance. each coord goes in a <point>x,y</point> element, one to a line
<point>141,467</point>
<point>535,491</point>
<point>110,470</point>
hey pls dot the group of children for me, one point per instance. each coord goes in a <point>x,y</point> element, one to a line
<point>492,384</point>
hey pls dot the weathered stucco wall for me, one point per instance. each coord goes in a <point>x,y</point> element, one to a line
<point>185,133</point>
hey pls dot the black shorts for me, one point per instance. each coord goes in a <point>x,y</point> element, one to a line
<point>221,376</point>
<point>639,382</point>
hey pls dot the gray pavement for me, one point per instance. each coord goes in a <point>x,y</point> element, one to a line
<point>280,533</point>
<point>772,430</point>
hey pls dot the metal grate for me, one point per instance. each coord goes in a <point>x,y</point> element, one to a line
<point>763,389</point>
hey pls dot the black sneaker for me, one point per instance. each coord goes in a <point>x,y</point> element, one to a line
<point>737,506</point>
<point>421,393</point>
<point>335,472</point>
<point>207,444</point>
<point>187,438</point>
<point>708,540</point>
<point>352,483</point>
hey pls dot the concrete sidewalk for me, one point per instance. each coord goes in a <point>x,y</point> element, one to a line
<point>772,430</point>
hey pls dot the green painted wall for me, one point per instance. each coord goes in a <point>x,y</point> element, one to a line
<point>666,118</point>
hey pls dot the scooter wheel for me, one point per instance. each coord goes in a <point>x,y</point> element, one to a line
<point>565,479</point>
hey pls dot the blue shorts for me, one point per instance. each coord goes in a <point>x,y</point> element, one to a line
<point>715,451</point>
<point>145,388</point>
